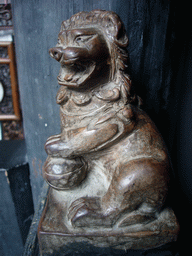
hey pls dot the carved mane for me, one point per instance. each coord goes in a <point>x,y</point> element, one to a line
<point>114,32</point>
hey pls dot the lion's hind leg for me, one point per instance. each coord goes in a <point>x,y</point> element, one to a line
<point>143,215</point>
<point>138,192</point>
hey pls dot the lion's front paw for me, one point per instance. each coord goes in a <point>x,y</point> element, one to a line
<point>51,145</point>
<point>55,146</point>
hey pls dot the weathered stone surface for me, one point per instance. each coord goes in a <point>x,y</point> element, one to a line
<point>109,168</point>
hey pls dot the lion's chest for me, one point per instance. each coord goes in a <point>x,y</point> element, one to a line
<point>78,113</point>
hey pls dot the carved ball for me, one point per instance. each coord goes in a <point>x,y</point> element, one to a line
<point>64,174</point>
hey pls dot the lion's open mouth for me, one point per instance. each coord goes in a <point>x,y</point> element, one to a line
<point>74,75</point>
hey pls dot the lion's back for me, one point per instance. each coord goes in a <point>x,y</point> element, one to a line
<point>144,141</point>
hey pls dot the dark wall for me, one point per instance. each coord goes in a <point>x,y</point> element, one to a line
<point>16,205</point>
<point>11,240</point>
<point>183,138</point>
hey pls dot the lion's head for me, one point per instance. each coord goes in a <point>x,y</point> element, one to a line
<point>92,50</point>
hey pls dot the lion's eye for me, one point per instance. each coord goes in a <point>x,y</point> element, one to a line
<point>83,38</point>
<point>59,41</point>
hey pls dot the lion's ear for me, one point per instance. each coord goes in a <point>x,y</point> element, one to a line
<point>122,40</point>
<point>115,28</point>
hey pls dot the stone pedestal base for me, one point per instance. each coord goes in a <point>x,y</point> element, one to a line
<point>56,237</point>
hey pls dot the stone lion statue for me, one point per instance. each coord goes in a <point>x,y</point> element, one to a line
<point>109,167</point>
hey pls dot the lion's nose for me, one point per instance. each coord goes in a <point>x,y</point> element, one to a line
<point>56,53</point>
<point>71,53</point>
<point>68,55</point>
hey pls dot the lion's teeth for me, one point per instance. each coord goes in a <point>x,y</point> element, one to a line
<point>76,79</point>
<point>68,77</point>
